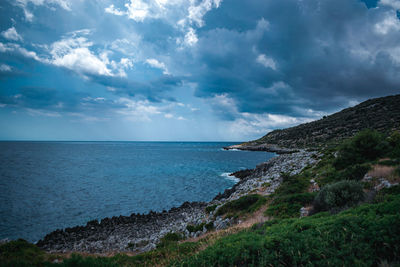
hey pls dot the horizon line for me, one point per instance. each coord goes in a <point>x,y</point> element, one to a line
<point>152,141</point>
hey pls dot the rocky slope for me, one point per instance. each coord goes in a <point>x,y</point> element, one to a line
<point>124,233</point>
<point>382,114</point>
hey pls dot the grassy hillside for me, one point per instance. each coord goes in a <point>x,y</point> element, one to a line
<point>382,114</point>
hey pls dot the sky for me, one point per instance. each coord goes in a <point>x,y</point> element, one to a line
<point>189,70</point>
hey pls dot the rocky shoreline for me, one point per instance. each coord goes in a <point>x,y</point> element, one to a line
<point>251,146</point>
<point>141,233</point>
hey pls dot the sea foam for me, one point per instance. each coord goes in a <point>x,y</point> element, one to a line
<point>227,176</point>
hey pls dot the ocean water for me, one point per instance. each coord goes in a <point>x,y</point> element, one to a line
<point>50,185</point>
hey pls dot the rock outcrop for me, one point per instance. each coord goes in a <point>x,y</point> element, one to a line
<point>124,233</point>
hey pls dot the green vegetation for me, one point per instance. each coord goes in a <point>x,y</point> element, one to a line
<point>336,175</point>
<point>20,253</point>
<point>366,146</point>
<point>209,226</point>
<point>287,200</point>
<point>363,236</point>
<point>169,238</point>
<point>211,208</point>
<point>394,142</point>
<point>381,114</point>
<point>241,206</point>
<point>336,196</point>
<point>195,228</point>
<point>290,205</point>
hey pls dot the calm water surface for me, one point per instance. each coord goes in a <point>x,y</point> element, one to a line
<point>49,185</point>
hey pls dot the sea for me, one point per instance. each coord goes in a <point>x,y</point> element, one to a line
<point>46,186</point>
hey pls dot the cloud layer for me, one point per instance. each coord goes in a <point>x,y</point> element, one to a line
<point>240,68</point>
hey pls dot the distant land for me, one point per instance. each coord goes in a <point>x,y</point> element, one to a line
<point>381,114</point>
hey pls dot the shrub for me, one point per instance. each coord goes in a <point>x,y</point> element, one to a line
<point>393,190</point>
<point>333,197</point>
<point>355,172</point>
<point>211,208</point>
<point>169,239</point>
<point>292,184</point>
<point>209,226</point>
<point>289,205</point>
<point>20,253</point>
<point>195,228</point>
<point>362,236</point>
<point>367,145</point>
<point>394,142</point>
<point>245,204</point>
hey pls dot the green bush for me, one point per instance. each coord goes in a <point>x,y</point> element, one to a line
<point>209,226</point>
<point>367,145</point>
<point>245,204</point>
<point>364,236</point>
<point>211,208</point>
<point>354,172</point>
<point>393,190</point>
<point>20,253</point>
<point>336,196</point>
<point>169,238</point>
<point>195,228</point>
<point>394,142</point>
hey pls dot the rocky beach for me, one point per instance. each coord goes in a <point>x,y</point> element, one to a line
<point>142,232</point>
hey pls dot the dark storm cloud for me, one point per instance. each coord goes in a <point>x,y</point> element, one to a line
<point>41,98</point>
<point>327,53</point>
<point>154,90</point>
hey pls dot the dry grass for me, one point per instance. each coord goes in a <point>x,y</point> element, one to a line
<point>204,240</point>
<point>210,238</point>
<point>386,172</point>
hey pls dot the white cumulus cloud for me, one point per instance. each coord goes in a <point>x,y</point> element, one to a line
<point>389,23</point>
<point>157,64</point>
<point>11,34</point>
<point>65,4</point>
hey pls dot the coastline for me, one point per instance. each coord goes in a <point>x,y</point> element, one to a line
<point>140,233</point>
<point>252,146</point>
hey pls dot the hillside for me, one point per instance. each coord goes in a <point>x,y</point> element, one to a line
<point>382,114</point>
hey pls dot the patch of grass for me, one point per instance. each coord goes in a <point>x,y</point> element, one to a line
<point>266,185</point>
<point>21,253</point>
<point>292,184</point>
<point>289,205</point>
<point>170,238</point>
<point>195,228</point>
<point>382,194</point>
<point>241,206</point>
<point>354,172</point>
<point>390,162</point>
<point>211,208</point>
<point>290,196</point>
<point>362,236</point>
